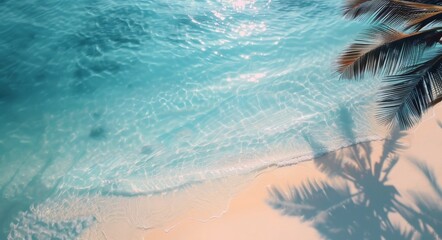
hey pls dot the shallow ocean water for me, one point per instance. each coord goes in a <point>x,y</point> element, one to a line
<point>131,98</point>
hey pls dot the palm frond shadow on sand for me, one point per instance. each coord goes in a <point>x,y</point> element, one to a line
<point>356,201</point>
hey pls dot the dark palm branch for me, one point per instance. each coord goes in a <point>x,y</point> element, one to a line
<point>412,85</point>
<point>424,20</point>
<point>436,101</point>
<point>410,14</point>
<point>383,50</point>
<point>407,96</point>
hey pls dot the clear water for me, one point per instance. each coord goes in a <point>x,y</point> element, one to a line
<point>136,97</point>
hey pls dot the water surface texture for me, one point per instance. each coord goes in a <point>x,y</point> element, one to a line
<point>104,98</point>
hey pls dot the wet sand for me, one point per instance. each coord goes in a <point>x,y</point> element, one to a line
<point>248,216</point>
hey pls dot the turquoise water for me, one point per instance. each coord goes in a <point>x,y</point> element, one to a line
<point>129,98</point>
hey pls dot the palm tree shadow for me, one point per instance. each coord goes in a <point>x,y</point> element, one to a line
<point>357,199</point>
<point>426,205</point>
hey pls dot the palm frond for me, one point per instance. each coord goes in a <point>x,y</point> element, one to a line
<point>436,101</point>
<point>436,2</point>
<point>415,15</point>
<point>409,14</point>
<point>310,199</point>
<point>352,4</point>
<point>383,50</point>
<point>407,96</point>
<point>419,22</point>
<point>357,8</point>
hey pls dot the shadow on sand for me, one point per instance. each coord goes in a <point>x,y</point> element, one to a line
<point>357,201</point>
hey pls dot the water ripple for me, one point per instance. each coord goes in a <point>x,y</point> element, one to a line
<point>129,98</point>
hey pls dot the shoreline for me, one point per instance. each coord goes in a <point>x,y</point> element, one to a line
<point>248,208</point>
<point>284,162</point>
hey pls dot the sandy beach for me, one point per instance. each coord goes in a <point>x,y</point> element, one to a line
<point>248,216</point>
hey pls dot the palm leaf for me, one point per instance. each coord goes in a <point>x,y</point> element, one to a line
<point>395,13</point>
<point>437,100</point>
<point>310,199</point>
<point>407,96</point>
<point>419,22</point>
<point>414,15</point>
<point>357,8</point>
<point>437,2</point>
<point>352,4</point>
<point>383,50</point>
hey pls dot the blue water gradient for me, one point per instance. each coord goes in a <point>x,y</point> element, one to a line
<point>136,97</point>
